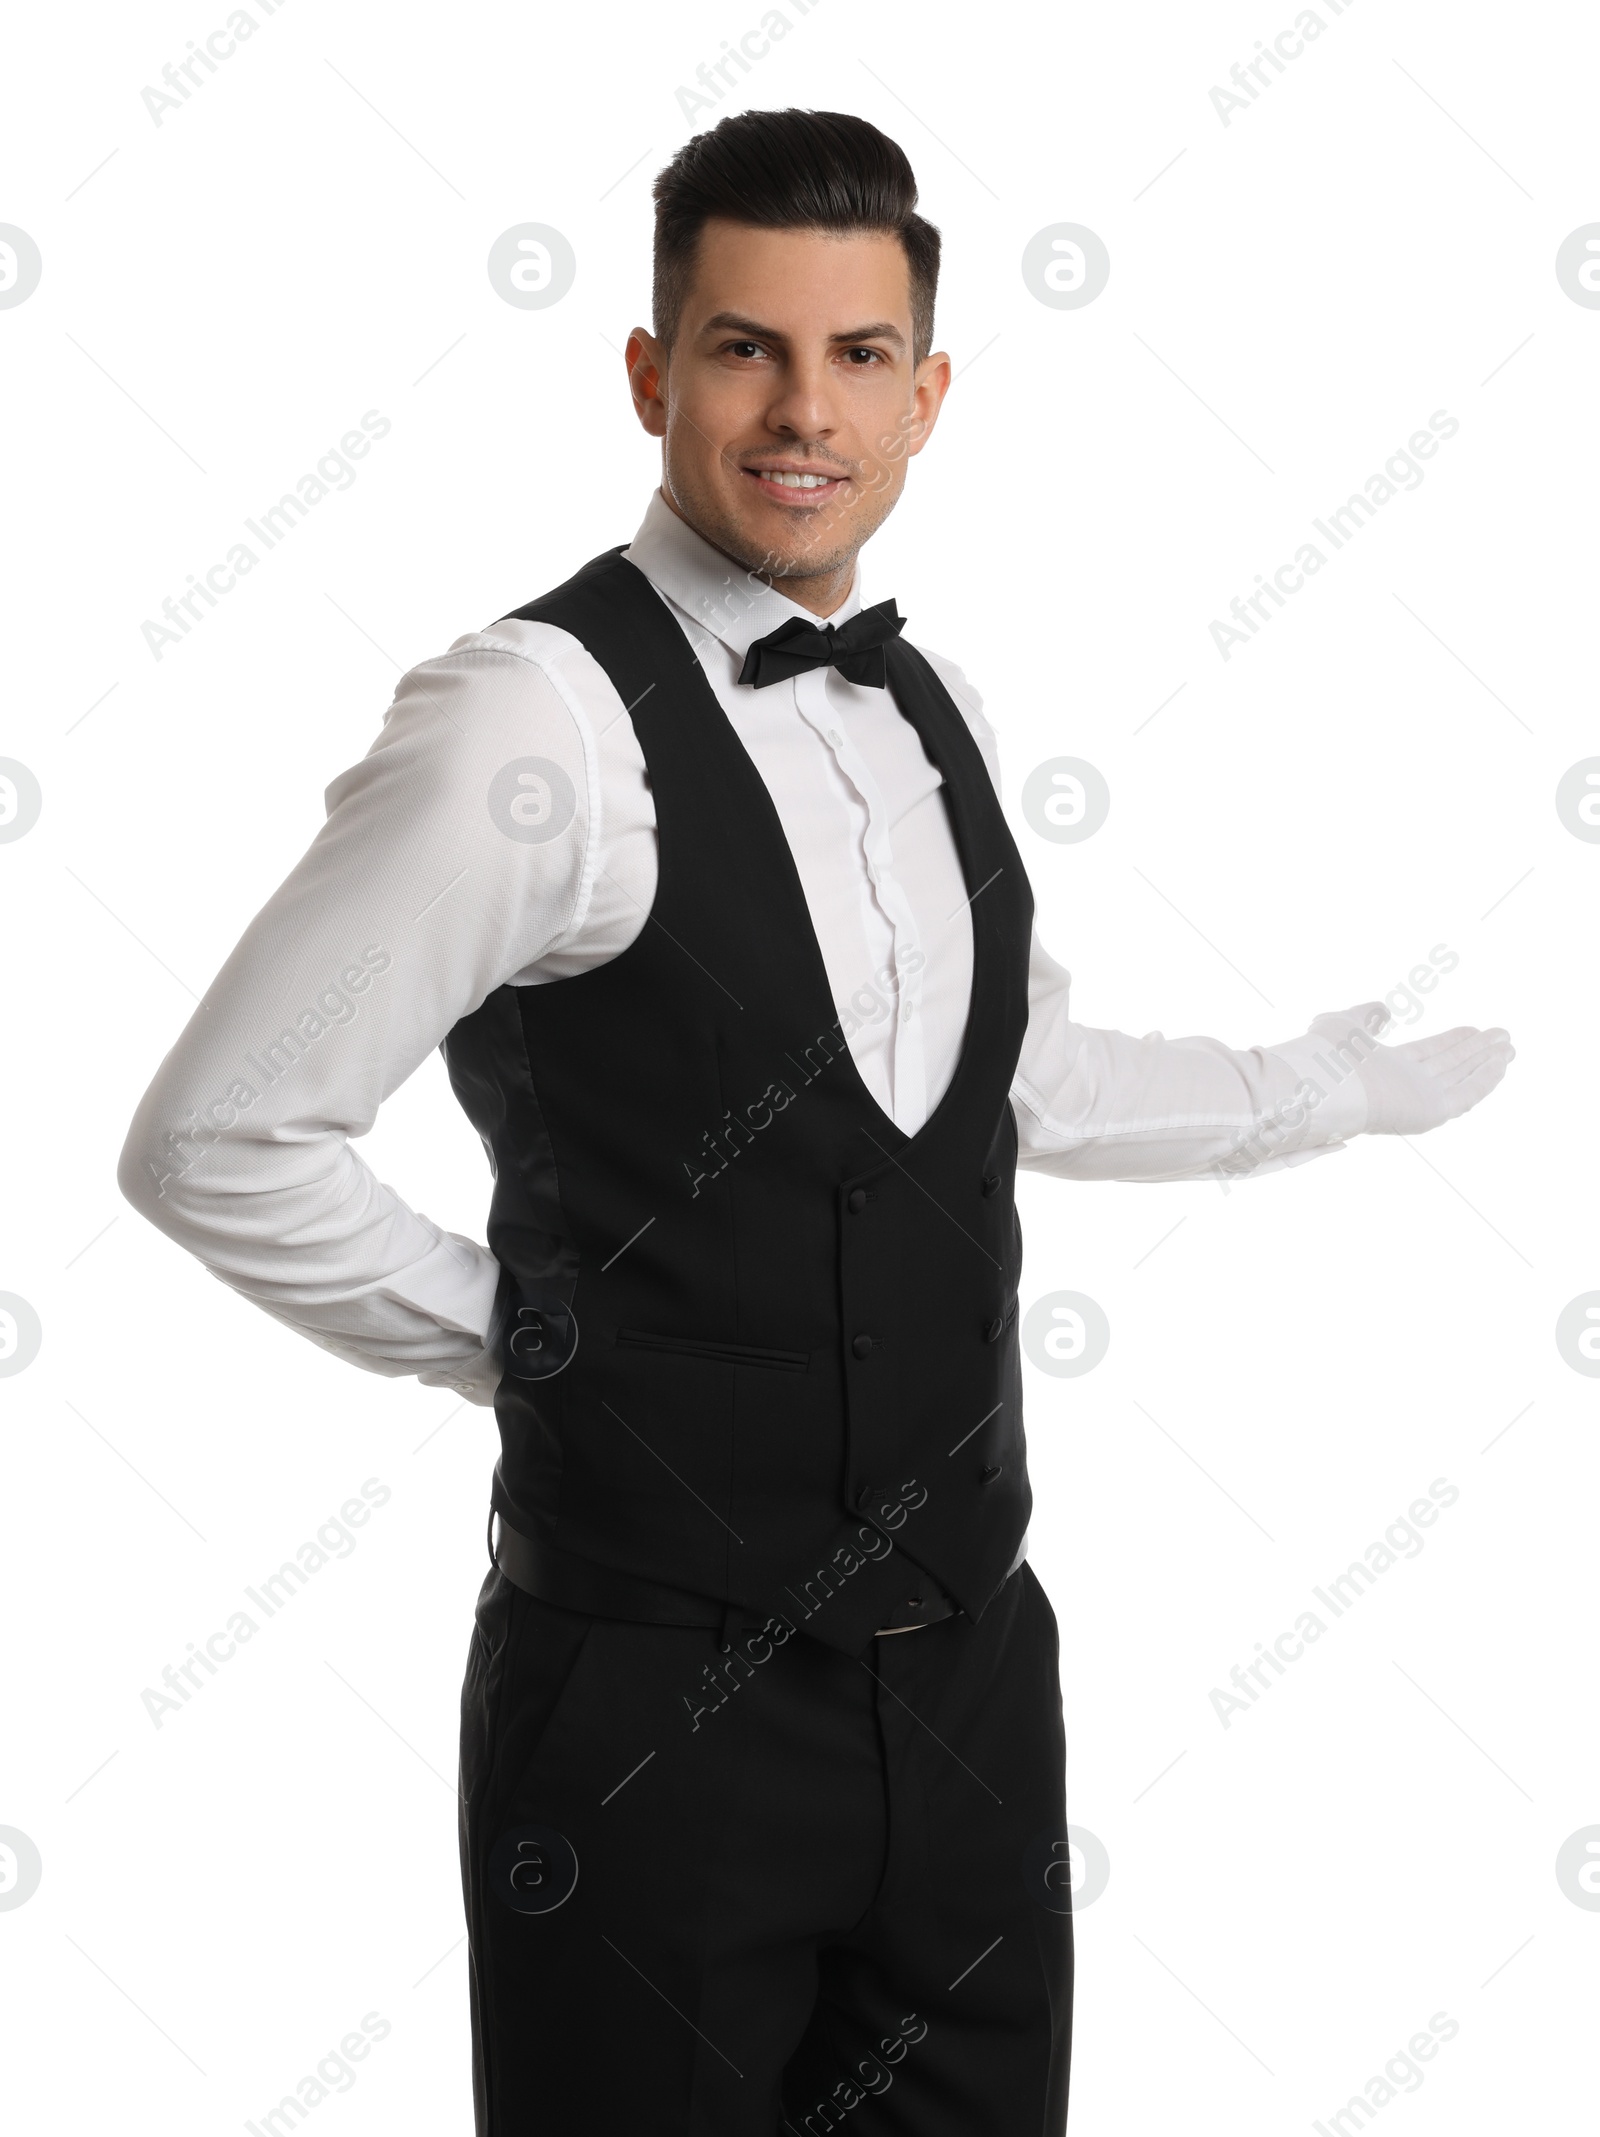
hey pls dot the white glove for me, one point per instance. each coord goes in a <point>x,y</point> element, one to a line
<point>1420,1083</point>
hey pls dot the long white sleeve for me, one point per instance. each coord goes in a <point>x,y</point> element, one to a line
<point>410,906</point>
<point>1101,1105</point>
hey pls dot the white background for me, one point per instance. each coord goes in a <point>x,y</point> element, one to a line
<point>1372,240</point>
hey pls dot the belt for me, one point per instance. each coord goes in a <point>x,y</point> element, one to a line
<point>599,1591</point>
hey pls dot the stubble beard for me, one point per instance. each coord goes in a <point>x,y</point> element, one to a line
<point>821,552</point>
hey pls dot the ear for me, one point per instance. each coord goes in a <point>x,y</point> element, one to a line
<point>929,387</point>
<point>647,378</point>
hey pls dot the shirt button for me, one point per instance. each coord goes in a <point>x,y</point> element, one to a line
<point>836,738</point>
<point>991,1184</point>
<point>862,1346</point>
<point>857,1202</point>
<point>994,1331</point>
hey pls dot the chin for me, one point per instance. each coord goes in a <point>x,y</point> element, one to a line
<point>801,547</point>
<point>778,550</point>
<point>802,563</point>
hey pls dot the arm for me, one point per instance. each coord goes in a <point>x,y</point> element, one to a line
<point>411,905</point>
<point>1101,1105</point>
<point>1097,1105</point>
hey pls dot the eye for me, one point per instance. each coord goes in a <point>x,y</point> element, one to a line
<point>873,356</point>
<point>743,348</point>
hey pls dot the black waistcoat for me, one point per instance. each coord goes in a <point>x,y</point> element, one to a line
<point>797,1385</point>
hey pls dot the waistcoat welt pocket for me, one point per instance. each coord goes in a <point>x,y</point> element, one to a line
<point>782,1361</point>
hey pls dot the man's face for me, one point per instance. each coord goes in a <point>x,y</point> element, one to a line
<point>789,404</point>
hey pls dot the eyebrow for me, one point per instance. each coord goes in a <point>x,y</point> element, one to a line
<point>879,330</point>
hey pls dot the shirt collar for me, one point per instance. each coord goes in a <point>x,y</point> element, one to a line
<point>711,588</point>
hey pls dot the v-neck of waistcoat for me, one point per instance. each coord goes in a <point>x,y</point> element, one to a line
<point>916,700</point>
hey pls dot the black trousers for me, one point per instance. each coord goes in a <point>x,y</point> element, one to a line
<point>731,1894</point>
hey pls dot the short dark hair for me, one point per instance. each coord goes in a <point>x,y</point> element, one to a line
<point>790,170</point>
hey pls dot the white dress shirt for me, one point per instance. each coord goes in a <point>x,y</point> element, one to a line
<point>412,905</point>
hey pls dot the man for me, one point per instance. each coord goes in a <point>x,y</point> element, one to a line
<point>715,913</point>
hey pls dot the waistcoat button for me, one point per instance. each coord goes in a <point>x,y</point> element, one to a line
<point>858,1201</point>
<point>862,1346</point>
<point>991,1473</point>
<point>994,1331</point>
<point>866,1495</point>
<point>991,1185</point>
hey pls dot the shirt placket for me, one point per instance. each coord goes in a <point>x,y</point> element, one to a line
<point>883,892</point>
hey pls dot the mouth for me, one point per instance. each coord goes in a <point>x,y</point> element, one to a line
<point>798,488</point>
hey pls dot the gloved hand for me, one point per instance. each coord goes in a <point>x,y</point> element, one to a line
<point>1420,1083</point>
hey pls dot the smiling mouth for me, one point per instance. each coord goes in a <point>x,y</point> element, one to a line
<point>795,486</point>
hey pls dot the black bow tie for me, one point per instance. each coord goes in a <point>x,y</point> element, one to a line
<point>854,648</point>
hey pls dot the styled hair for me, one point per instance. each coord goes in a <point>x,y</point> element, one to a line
<point>790,170</point>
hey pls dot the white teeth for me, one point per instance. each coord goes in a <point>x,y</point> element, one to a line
<point>795,482</point>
